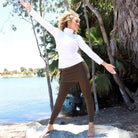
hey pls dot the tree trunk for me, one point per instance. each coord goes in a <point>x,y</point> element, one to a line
<point>93,71</point>
<point>47,64</point>
<point>47,70</point>
<point>67,5</point>
<point>126,25</point>
<point>116,77</point>
<point>45,60</point>
<point>48,77</point>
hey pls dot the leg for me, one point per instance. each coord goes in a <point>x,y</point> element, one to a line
<point>63,91</point>
<point>86,90</point>
<point>85,87</point>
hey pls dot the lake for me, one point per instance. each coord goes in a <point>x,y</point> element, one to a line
<point>25,99</point>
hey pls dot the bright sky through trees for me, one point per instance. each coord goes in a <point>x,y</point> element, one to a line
<point>17,48</point>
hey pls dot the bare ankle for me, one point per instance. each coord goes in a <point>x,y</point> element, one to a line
<point>91,124</point>
<point>50,127</point>
<point>91,130</point>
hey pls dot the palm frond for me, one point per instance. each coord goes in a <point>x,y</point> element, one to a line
<point>102,83</point>
<point>120,65</point>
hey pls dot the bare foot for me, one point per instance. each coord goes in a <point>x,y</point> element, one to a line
<point>48,129</point>
<point>91,131</point>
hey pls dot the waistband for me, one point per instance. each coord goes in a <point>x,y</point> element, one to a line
<point>73,67</point>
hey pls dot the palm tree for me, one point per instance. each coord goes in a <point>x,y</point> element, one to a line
<point>125,26</point>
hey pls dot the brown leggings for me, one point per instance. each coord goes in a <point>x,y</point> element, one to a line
<point>77,73</point>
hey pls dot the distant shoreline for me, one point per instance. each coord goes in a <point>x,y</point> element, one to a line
<point>38,72</point>
<point>18,77</point>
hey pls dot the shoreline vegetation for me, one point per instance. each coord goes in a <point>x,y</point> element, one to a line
<point>37,72</point>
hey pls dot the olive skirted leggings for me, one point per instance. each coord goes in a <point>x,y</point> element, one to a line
<point>77,73</point>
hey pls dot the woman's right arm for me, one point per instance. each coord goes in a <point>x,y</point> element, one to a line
<point>50,28</point>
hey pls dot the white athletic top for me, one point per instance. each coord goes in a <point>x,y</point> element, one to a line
<point>67,44</point>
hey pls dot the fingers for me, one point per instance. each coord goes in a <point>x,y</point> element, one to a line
<point>111,68</point>
<point>22,3</point>
<point>112,71</point>
<point>26,4</point>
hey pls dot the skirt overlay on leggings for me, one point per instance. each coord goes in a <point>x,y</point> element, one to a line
<point>77,73</point>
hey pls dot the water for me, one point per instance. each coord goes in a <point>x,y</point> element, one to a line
<point>25,99</point>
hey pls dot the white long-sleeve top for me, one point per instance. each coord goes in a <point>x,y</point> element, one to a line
<point>67,44</point>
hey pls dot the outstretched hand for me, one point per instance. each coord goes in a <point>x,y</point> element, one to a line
<point>26,4</point>
<point>109,68</point>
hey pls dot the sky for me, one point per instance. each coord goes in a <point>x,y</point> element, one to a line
<point>17,48</point>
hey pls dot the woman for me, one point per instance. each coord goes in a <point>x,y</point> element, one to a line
<point>73,68</point>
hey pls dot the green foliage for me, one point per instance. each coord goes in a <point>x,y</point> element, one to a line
<point>43,74</point>
<point>14,28</point>
<point>96,37</point>
<point>5,70</point>
<point>74,1</point>
<point>5,4</point>
<point>119,65</point>
<point>97,41</point>
<point>22,69</point>
<point>103,84</point>
<point>98,46</point>
<point>74,4</point>
<point>54,65</point>
<point>30,69</point>
<point>27,72</point>
<point>126,68</point>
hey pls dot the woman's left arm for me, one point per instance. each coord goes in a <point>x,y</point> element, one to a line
<point>94,56</point>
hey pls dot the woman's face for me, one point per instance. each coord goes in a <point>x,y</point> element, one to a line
<point>74,24</point>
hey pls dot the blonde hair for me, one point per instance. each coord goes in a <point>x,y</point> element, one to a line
<point>65,17</point>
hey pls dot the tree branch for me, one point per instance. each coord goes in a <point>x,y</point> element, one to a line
<point>67,5</point>
<point>26,20</point>
<point>36,40</point>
